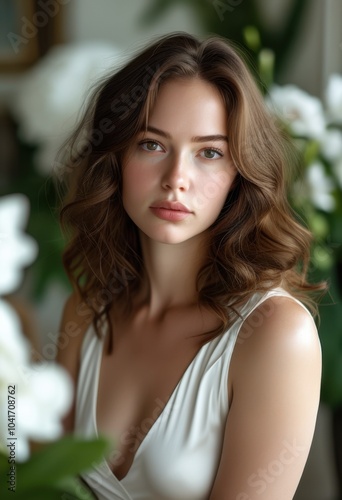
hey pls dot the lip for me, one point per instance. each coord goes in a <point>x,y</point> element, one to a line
<point>171,205</point>
<point>172,211</point>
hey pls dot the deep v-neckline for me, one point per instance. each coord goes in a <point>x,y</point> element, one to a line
<point>161,414</point>
<point>159,417</point>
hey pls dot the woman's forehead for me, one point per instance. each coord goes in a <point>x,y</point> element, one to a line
<point>189,104</point>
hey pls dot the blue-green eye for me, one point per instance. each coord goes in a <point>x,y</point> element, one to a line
<point>211,153</point>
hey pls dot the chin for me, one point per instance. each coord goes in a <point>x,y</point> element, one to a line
<point>173,237</point>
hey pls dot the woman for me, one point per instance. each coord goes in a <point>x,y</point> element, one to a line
<point>188,344</point>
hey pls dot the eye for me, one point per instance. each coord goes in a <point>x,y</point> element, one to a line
<point>211,153</point>
<point>148,145</point>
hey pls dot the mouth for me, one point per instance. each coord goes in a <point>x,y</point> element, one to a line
<point>171,211</point>
<point>171,205</point>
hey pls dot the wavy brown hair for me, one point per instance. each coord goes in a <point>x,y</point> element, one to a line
<point>256,242</point>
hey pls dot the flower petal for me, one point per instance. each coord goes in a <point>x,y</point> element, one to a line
<point>301,111</point>
<point>17,249</point>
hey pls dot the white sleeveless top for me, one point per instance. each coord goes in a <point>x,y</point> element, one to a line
<point>179,457</point>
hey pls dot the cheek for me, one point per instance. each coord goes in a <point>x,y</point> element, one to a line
<point>214,189</point>
<point>135,180</point>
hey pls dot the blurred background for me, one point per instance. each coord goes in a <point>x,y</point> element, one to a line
<point>52,51</point>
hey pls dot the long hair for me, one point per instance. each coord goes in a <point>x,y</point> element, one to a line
<point>256,242</point>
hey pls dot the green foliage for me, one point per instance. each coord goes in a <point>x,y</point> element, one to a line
<point>52,472</point>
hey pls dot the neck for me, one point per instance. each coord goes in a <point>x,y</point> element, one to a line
<point>171,272</point>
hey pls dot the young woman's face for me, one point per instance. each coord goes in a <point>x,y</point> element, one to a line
<point>179,172</point>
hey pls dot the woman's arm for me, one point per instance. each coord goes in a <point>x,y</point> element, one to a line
<point>76,319</point>
<point>276,373</point>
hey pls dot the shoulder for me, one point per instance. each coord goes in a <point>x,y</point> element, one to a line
<point>76,319</point>
<point>280,335</point>
<point>275,374</point>
<point>280,361</point>
<point>279,327</point>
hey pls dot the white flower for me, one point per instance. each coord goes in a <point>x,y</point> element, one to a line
<point>14,349</point>
<point>17,249</point>
<point>301,111</point>
<point>43,392</point>
<point>51,95</point>
<point>331,144</point>
<point>44,395</point>
<point>320,187</point>
<point>334,98</point>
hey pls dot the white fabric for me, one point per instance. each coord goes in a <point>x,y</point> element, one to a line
<point>179,457</point>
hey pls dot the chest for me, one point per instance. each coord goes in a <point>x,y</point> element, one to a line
<point>173,449</point>
<point>137,380</point>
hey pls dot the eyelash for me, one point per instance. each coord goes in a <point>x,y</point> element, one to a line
<point>216,150</point>
<point>146,141</point>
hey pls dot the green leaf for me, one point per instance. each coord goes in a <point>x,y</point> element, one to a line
<point>252,38</point>
<point>266,66</point>
<point>66,457</point>
<point>311,152</point>
<point>68,488</point>
<point>44,493</point>
<point>74,490</point>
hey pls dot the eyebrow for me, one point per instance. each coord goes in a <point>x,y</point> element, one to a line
<point>197,138</point>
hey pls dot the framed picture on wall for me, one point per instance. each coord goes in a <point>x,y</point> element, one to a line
<point>28,29</point>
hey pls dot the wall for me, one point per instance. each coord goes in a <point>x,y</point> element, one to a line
<point>318,51</point>
<point>119,21</point>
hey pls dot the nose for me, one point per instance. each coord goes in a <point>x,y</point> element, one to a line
<point>176,175</point>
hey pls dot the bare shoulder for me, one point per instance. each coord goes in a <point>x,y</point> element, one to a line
<point>278,328</point>
<point>278,342</point>
<point>275,374</point>
<point>75,321</point>
<point>278,339</point>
